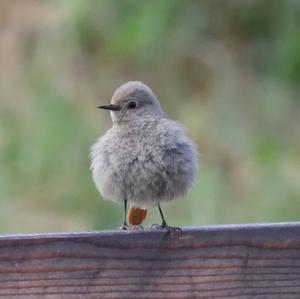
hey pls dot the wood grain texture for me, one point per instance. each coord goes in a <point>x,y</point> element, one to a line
<point>247,261</point>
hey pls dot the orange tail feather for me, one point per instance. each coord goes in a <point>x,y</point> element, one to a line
<point>136,215</point>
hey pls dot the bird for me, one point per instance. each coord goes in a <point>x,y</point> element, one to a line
<point>145,158</point>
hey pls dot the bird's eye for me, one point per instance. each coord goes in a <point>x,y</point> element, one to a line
<point>131,105</point>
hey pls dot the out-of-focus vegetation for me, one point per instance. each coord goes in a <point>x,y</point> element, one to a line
<point>229,70</point>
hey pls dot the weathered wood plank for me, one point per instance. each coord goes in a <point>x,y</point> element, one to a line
<point>246,261</point>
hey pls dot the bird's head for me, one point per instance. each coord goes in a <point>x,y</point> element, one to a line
<point>133,101</point>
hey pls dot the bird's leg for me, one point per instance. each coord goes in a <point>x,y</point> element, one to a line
<point>164,225</point>
<point>125,225</point>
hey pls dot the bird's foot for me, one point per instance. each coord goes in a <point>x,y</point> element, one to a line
<point>156,226</point>
<point>137,227</point>
<point>124,227</point>
<point>133,227</point>
<point>165,227</point>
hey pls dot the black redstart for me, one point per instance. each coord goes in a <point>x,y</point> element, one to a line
<point>145,158</point>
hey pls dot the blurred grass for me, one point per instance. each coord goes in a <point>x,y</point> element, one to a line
<point>228,70</point>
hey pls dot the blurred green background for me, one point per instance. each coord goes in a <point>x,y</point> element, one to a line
<point>228,70</point>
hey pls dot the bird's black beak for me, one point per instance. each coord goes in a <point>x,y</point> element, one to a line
<point>110,107</point>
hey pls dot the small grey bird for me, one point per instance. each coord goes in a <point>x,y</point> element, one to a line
<point>145,158</point>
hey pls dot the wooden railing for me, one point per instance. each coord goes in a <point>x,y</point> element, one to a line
<point>238,261</point>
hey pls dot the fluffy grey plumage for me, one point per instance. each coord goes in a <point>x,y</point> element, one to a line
<point>145,157</point>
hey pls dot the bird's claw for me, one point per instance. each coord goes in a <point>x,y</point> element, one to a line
<point>124,227</point>
<point>137,227</point>
<point>156,226</point>
<point>134,227</point>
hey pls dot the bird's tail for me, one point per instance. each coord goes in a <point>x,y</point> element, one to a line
<point>136,215</point>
